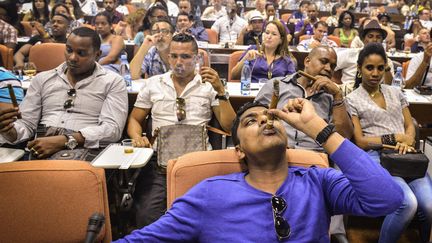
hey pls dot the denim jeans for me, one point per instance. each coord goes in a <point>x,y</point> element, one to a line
<point>417,199</point>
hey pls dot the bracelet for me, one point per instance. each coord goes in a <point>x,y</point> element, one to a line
<point>338,102</point>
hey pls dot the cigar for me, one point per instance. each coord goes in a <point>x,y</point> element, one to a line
<point>306,75</point>
<point>13,98</point>
<point>376,146</point>
<point>273,103</point>
<point>258,45</point>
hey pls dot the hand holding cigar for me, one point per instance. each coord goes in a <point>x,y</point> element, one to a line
<point>306,75</point>
<point>13,98</point>
<point>273,103</point>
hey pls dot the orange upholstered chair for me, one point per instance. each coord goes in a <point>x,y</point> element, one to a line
<point>213,36</point>
<point>233,60</point>
<point>285,17</point>
<point>189,169</point>
<point>7,56</point>
<point>47,56</point>
<point>335,39</point>
<point>51,201</point>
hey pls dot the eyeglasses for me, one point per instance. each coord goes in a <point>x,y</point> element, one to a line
<point>180,109</point>
<point>283,229</point>
<point>162,31</point>
<point>69,103</point>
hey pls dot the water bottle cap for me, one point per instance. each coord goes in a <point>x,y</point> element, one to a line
<point>399,69</point>
<point>124,56</point>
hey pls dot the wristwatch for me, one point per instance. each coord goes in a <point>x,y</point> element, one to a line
<point>223,97</point>
<point>71,142</point>
<point>325,134</point>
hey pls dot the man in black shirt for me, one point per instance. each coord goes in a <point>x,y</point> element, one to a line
<point>254,29</point>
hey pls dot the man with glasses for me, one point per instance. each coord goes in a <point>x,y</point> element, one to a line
<point>230,26</point>
<point>327,100</point>
<point>272,202</point>
<point>152,57</point>
<point>80,96</point>
<point>180,96</point>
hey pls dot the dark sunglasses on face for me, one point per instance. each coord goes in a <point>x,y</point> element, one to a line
<point>283,229</point>
<point>180,109</point>
<point>69,103</point>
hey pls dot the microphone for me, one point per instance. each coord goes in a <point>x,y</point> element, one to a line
<point>96,221</point>
<point>229,32</point>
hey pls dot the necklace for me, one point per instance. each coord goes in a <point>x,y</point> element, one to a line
<point>373,94</point>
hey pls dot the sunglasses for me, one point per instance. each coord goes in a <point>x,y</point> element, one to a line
<point>180,109</point>
<point>69,103</point>
<point>283,229</point>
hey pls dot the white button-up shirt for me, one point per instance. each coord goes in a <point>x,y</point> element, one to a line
<point>229,30</point>
<point>159,95</point>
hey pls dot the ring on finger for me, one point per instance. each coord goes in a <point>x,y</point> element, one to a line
<point>34,151</point>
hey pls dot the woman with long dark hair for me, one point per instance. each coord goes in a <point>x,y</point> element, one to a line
<point>380,115</point>
<point>112,45</point>
<point>345,30</point>
<point>39,12</point>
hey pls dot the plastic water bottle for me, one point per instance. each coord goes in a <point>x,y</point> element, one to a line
<point>93,8</point>
<point>124,70</point>
<point>246,77</point>
<point>384,44</point>
<point>324,40</point>
<point>306,45</point>
<point>198,12</point>
<point>398,80</point>
<point>277,14</point>
<point>407,21</point>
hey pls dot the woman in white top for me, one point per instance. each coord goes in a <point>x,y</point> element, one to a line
<point>380,115</point>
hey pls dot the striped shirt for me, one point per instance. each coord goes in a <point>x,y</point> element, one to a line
<point>374,120</point>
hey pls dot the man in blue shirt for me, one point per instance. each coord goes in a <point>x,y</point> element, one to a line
<point>272,202</point>
<point>185,24</point>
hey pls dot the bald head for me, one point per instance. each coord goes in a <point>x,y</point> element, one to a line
<point>321,61</point>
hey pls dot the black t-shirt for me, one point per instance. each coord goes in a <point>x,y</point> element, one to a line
<point>249,38</point>
<point>35,39</point>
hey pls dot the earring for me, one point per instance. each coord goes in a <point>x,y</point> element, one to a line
<point>359,75</point>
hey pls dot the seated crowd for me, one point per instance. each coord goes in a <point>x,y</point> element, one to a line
<point>344,108</point>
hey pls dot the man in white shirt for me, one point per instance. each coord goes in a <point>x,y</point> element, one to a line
<point>228,28</point>
<point>320,29</point>
<point>214,12</point>
<point>420,69</point>
<point>424,18</point>
<point>159,97</point>
<point>173,9</point>
<point>347,58</point>
<point>79,95</point>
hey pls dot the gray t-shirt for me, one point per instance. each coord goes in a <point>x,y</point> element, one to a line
<point>290,89</point>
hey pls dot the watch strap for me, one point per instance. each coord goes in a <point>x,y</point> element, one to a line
<point>323,136</point>
<point>222,97</point>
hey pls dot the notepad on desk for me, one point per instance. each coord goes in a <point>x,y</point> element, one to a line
<point>114,157</point>
<point>10,154</point>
